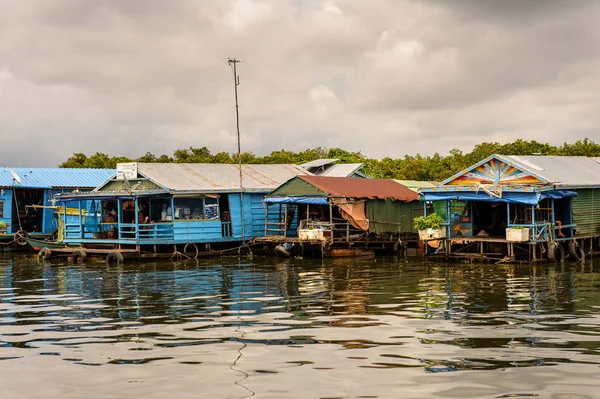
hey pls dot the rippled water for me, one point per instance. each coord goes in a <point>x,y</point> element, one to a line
<point>298,329</point>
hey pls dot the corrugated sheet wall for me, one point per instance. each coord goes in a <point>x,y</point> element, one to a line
<point>258,215</point>
<point>586,212</point>
<point>393,216</point>
<point>254,215</point>
<point>298,187</point>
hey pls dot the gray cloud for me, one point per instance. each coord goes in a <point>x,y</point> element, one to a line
<point>386,77</point>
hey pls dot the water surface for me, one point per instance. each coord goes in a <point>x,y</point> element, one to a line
<point>232,328</point>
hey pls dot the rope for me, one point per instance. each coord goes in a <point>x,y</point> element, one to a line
<point>8,243</point>
<point>179,256</point>
<point>17,208</point>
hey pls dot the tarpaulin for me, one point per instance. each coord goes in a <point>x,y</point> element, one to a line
<point>297,200</point>
<point>353,212</point>
<point>532,198</point>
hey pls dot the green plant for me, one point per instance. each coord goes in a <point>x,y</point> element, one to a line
<point>432,221</point>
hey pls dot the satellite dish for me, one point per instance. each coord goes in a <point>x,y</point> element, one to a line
<point>15,176</point>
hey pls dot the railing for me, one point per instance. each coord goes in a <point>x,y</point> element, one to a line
<point>340,231</point>
<point>275,229</point>
<point>226,229</point>
<point>123,231</point>
<point>73,230</point>
<point>150,231</point>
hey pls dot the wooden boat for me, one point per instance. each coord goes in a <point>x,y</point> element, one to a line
<point>39,244</point>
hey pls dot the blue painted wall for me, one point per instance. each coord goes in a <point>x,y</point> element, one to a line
<point>6,195</point>
<point>197,231</point>
<point>257,214</point>
<point>275,217</point>
<point>252,203</point>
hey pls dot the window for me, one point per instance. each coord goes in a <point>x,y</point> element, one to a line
<point>1,209</point>
<point>196,208</point>
<point>160,210</point>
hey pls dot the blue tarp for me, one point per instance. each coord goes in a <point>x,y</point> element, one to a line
<point>509,197</point>
<point>297,200</point>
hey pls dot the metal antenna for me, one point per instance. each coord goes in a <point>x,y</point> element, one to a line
<point>236,81</point>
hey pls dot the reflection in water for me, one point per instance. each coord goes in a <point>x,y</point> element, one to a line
<point>342,328</point>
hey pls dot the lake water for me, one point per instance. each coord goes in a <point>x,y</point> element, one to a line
<point>269,328</point>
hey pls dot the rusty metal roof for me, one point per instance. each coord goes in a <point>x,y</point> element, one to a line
<point>218,177</point>
<point>350,187</point>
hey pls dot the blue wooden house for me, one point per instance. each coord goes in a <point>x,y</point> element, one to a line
<point>144,206</point>
<point>519,207</point>
<point>27,196</point>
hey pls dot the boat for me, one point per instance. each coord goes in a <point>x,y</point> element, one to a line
<point>39,244</point>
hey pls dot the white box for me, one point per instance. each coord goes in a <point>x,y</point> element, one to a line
<point>432,234</point>
<point>310,234</point>
<point>517,235</point>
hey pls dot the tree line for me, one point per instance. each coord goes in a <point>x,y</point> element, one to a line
<point>434,167</point>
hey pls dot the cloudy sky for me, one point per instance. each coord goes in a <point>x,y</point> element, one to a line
<point>384,77</point>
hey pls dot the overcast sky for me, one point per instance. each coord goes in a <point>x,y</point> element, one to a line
<point>384,77</point>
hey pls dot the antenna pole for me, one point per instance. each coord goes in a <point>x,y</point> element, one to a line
<point>236,81</point>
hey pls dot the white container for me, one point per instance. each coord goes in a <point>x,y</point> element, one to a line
<point>517,235</point>
<point>432,234</point>
<point>310,234</point>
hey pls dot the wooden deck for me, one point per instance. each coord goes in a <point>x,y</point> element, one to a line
<point>283,239</point>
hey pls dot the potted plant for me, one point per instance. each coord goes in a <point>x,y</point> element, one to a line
<point>429,227</point>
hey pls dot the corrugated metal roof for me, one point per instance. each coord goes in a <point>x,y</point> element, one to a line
<point>560,169</point>
<point>318,162</point>
<point>415,185</point>
<point>350,187</point>
<point>54,177</point>
<point>341,170</point>
<point>215,177</point>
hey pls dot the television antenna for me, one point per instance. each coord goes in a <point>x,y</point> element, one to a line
<point>236,82</point>
<point>15,176</point>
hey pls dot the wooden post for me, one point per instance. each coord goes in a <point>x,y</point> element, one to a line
<point>448,230</point>
<point>533,232</point>
<point>65,204</point>
<point>331,220</point>
<point>119,217</point>
<point>266,217</point>
<point>347,232</point>
<point>279,220</point>
<point>285,217</point>
<point>136,209</point>
<point>80,219</point>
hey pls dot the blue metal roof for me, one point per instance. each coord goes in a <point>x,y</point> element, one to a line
<point>54,177</point>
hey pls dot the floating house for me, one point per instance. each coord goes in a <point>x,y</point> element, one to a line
<point>27,198</point>
<point>518,208</point>
<point>331,168</point>
<point>415,185</point>
<point>337,213</point>
<point>156,208</point>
